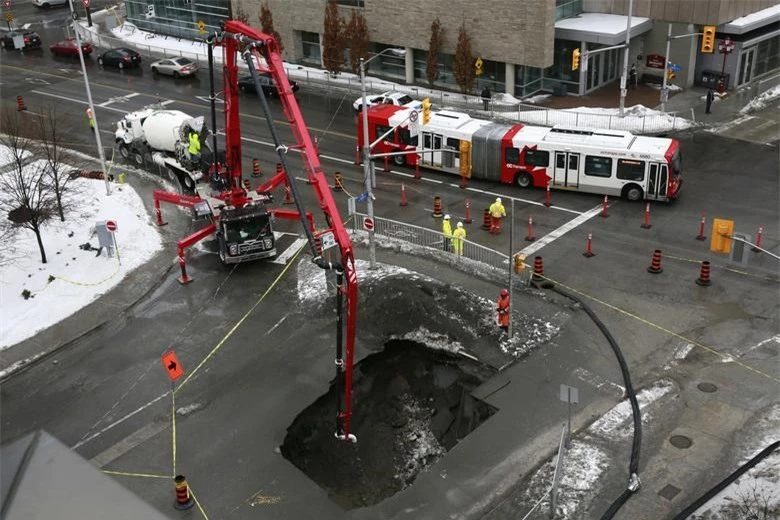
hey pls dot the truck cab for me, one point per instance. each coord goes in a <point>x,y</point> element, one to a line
<point>245,233</point>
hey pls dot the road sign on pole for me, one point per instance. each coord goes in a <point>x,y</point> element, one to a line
<point>111,225</point>
<point>172,365</point>
<point>7,4</point>
<point>368,224</point>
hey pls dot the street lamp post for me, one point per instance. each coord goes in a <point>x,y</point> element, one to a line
<point>623,89</point>
<point>367,176</point>
<point>725,47</point>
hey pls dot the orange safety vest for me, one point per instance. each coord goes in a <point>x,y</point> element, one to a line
<point>503,311</point>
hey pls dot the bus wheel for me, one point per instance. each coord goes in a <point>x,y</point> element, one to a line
<point>632,192</point>
<point>399,160</point>
<point>524,180</point>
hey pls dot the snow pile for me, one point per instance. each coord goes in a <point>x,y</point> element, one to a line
<point>72,278</point>
<point>761,101</point>
<point>431,340</point>
<point>529,333</point>
<point>617,424</point>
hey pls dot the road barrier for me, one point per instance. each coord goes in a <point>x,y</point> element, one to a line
<point>20,104</point>
<point>183,498</point>
<point>485,220</point>
<point>655,264</point>
<point>704,274</point>
<point>604,213</point>
<point>437,212</point>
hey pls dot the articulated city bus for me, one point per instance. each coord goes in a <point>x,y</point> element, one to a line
<point>606,162</point>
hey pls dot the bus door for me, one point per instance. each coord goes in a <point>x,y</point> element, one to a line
<point>657,182</point>
<point>567,170</point>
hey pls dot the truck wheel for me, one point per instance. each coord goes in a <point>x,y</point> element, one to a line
<point>124,151</point>
<point>632,192</point>
<point>524,180</point>
<point>138,158</point>
<point>399,160</point>
<point>189,184</point>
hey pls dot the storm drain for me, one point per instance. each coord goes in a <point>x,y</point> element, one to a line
<point>681,441</point>
<point>411,405</point>
<point>669,492</point>
<point>707,387</point>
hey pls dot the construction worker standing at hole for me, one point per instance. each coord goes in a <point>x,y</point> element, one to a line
<point>502,306</point>
<point>458,236</point>
<point>446,229</point>
<point>497,211</point>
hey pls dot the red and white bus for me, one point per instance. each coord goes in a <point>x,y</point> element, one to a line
<point>607,162</point>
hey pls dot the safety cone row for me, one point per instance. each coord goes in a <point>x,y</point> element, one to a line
<point>437,211</point>
<point>183,498</point>
<point>337,186</point>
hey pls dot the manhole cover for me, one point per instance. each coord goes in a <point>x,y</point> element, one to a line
<point>681,441</point>
<point>669,492</point>
<point>707,387</point>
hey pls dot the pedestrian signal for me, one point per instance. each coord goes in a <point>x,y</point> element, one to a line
<point>669,74</point>
<point>575,59</point>
<point>708,39</point>
<point>426,111</point>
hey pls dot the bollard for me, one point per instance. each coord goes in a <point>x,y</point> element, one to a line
<point>538,270</point>
<point>337,186</point>
<point>704,274</point>
<point>288,195</point>
<point>417,170</point>
<point>757,247</point>
<point>20,104</point>
<point>486,220</point>
<point>158,213</point>
<point>655,264</point>
<point>437,213</point>
<point>403,196</point>
<point>519,263</point>
<point>256,168</point>
<point>463,182</point>
<point>467,219</point>
<point>530,237</point>
<point>547,201</point>
<point>317,146</point>
<point>646,223</point>
<point>183,498</point>
<point>701,236</point>
<point>387,163</point>
<point>183,279</point>
<point>357,155</point>
<point>603,213</point>
<point>588,249</point>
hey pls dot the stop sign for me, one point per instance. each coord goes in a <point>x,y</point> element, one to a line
<point>111,225</point>
<point>368,224</point>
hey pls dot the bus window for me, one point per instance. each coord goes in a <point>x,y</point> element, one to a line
<point>512,156</point>
<point>630,170</point>
<point>539,158</point>
<point>598,166</point>
<point>406,137</point>
<point>453,144</point>
<point>560,161</point>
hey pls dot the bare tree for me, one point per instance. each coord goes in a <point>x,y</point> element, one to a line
<point>59,160</point>
<point>241,15</point>
<point>463,65</point>
<point>333,41</point>
<point>24,191</point>
<point>434,49</point>
<point>267,25</point>
<point>358,40</point>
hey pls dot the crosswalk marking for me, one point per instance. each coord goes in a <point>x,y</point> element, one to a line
<point>290,251</point>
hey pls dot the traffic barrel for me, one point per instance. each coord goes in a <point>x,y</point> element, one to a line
<point>20,104</point>
<point>437,212</point>
<point>655,264</point>
<point>256,168</point>
<point>704,274</point>
<point>538,269</point>
<point>318,245</point>
<point>279,168</point>
<point>247,185</point>
<point>288,195</point>
<point>337,186</point>
<point>183,498</point>
<point>485,220</point>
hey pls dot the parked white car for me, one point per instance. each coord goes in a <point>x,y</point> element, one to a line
<point>398,99</point>
<point>45,4</point>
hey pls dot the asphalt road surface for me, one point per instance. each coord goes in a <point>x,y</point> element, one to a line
<point>107,396</point>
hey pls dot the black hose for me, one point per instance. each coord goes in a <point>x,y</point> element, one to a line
<point>633,466</point>
<point>685,513</point>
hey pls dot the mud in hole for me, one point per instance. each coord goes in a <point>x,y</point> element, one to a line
<point>411,405</point>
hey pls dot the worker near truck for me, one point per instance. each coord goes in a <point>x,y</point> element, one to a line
<point>194,148</point>
<point>497,212</point>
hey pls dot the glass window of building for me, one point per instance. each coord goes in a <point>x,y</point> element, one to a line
<point>177,17</point>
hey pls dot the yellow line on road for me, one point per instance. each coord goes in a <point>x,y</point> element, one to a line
<point>125,474</point>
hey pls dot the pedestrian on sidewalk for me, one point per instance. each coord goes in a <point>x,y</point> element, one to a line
<point>502,307</point>
<point>458,236</point>
<point>710,99</point>
<point>446,229</point>
<point>486,98</point>
<point>632,77</point>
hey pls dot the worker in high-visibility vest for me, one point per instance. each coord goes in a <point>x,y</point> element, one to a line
<point>194,148</point>
<point>91,119</point>
<point>497,211</point>
<point>446,229</point>
<point>458,237</point>
<point>502,306</point>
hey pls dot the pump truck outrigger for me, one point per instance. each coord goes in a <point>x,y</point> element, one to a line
<point>231,208</point>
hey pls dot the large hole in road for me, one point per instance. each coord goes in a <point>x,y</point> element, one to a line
<point>411,405</point>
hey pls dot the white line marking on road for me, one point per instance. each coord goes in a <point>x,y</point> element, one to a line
<point>775,339</point>
<point>558,233</point>
<point>599,382</point>
<point>682,351</point>
<point>118,422</point>
<point>289,252</point>
<point>118,99</point>
<point>167,102</point>
<point>73,100</point>
<point>276,325</point>
<point>128,443</point>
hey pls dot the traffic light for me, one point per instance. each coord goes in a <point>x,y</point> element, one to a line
<point>575,59</point>
<point>708,39</point>
<point>426,111</point>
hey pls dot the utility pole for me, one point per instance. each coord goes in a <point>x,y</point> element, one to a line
<point>625,60</point>
<point>511,264</point>
<point>367,177</point>
<point>664,91</point>
<point>89,99</point>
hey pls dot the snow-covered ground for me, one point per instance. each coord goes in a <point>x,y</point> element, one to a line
<point>72,277</point>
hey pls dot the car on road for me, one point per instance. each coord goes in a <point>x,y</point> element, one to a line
<point>31,39</point>
<point>245,84</point>
<point>45,4</point>
<point>398,99</point>
<point>69,47</point>
<point>176,67</point>
<point>121,58</point>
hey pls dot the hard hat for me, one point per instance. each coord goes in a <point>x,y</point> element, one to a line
<point>446,217</point>
<point>504,292</point>
<point>460,224</point>
<point>498,199</point>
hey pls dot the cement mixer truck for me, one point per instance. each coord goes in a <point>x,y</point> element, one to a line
<point>161,136</point>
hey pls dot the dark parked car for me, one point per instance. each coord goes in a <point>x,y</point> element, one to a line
<point>122,58</point>
<point>68,47</point>
<point>268,84</point>
<point>31,39</point>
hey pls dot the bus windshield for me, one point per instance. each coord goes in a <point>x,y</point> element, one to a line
<point>677,163</point>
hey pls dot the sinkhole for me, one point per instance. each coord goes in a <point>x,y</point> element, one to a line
<point>411,404</point>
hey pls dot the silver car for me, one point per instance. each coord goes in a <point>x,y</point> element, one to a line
<point>176,67</point>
